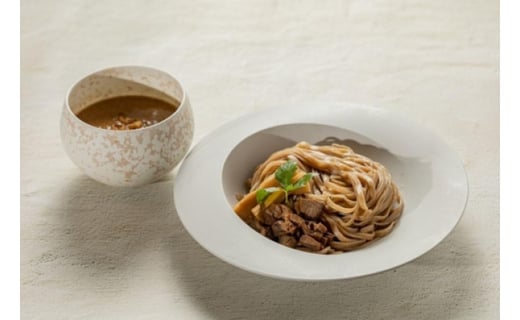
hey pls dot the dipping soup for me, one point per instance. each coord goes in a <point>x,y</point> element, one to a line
<point>127,112</point>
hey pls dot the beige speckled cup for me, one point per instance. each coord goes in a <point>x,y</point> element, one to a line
<point>128,157</point>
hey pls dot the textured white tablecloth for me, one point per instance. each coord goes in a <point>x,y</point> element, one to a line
<point>94,252</point>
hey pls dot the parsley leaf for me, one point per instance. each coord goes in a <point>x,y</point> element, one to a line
<point>300,183</point>
<point>262,194</point>
<point>285,173</point>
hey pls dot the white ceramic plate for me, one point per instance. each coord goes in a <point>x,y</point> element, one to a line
<point>430,175</point>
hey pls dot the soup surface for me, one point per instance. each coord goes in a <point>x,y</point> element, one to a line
<point>127,112</point>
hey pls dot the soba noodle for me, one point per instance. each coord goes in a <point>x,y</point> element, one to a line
<point>360,202</point>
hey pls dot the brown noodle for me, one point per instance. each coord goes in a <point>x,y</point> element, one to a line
<point>361,202</point>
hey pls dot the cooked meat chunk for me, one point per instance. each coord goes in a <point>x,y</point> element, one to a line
<point>288,241</point>
<point>327,238</point>
<point>296,219</point>
<point>278,211</point>
<point>317,226</point>
<point>310,242</point>
<point>281,228</point>
<point>300,228</point>
<point>268,217</point>
<point>259,227</point>
<point>308,208</point>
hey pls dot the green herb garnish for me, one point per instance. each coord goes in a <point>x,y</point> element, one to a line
<point>284,175</point>
<point>262,194</point>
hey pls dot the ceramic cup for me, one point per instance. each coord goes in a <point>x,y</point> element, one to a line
<point>127,157</point>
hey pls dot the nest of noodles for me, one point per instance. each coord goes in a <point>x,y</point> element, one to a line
<point>350,201</point>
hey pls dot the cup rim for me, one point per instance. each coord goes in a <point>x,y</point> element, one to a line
<point>182,102</point>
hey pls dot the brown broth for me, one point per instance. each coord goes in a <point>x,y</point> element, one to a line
<point>127,112</point>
